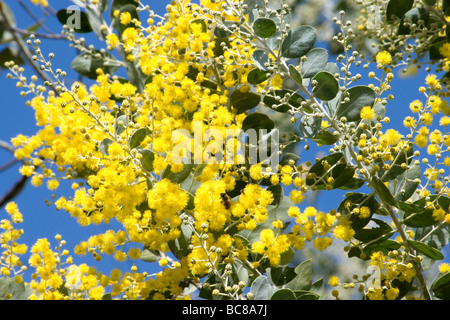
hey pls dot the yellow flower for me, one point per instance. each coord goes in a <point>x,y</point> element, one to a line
<point>112,40</point>
<point>383,58</point>
<point>125,18</point>
<point>333,281</point>
<point>367,113</point>
<point>416,106</point>
<point>444,267</point>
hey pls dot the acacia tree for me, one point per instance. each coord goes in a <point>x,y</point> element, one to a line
<point>223,215</point>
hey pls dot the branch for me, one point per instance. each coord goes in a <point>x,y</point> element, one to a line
<point>22,45</point>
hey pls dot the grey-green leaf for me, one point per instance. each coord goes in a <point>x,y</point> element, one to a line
<point>18,291</point>
<point>358,97</point>
<point>316,61</point>
<point>137,137</point>
<point>260,58</point>
<point>383,191</point>
<point>262,289</point>
<point>104,145</point>
<point>295,74</point>
<point>303,279</point>
<point>95,21</point>
<point>147,159</point>
<point>264,27</point>
<point>298,42</point>
<point>87,65</point>
<point>257,121</point>
<point>396,9</point>
<point>256,76</point>
<point>243,101</point>
<point>148,256</point>
<point>327,86</point>
<point>426,250</point>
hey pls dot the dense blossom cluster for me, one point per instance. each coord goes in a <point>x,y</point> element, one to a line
<point>114,142</point>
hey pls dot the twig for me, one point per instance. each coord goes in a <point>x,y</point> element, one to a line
<point>25,49</point>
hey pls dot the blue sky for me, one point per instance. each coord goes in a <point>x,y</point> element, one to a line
<point>40,220</point>
<point>43,221</point>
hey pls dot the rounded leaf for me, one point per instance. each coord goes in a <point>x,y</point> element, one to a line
<point>257,121</point>
<point>327,86</point>
<point>298,42</point>
<point>397,9</point>
<point>137,137</point>
<point>316,61</point>
<point>358,97</point>
<point>243,101</point>
<point>256,76</point>
<point>74,19</point>
<point>264,27</point>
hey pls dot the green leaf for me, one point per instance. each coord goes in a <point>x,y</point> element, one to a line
<point>18,291</point>
<point>359,97</point>
<point>134,15</point>
<point>10,54</point>
<point>383,245</point>
<point>383,191</point>
<point>446,7</point>
<point>243,101</point>
<point>224,31</point>
<point>309,126</point>
<point>396,167</point>
<point>281,275</point>
<point>306,295</point>
<point>148,256</point>
<point>75,19</point>
<point>295,75</point>
<point>120,125</point>
<point>441,286</point>
<point>358,200</point>
<point>406,183</point>
<point>303,279</point>
<point>104,145</point>
<point>413,16</point>
<point>316,60</point>
<point>11,20</point>
<point>283,294</point>
<point>147,159</point>
<point>277,192</point>
<point>426,250</point>
<point>119,4</point>
<point>262,289</point>
<point>256,76</point>
<point>418,218</point>
<point>264,27</point>
<point>369,234</point>
<point>95,21</point>
<point>178,177</point>
<point>321,171</point>
<point>180,246</point>
<point>298,42</point>
<point>257,121</point>
<point>289,156</point>
<point>396,9</point>
<point>103,5</point>
<point>325,137</point>
<point>327,86</point>
<point>438,239</point>
<point>260,58</point>
<point>87,65</point>
<point>137,137</point>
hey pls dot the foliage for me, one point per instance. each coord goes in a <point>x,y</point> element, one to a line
<point>174,87</point>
